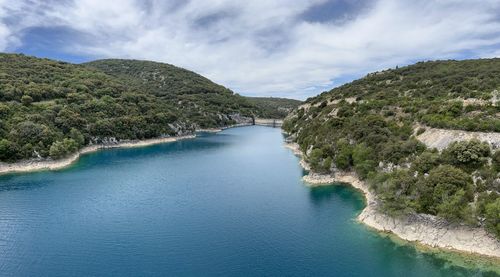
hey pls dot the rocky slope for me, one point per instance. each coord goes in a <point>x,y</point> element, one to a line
<point>433,231</point>
<point>420,228</point>
<point>448,170</point>
<point>441,138</point>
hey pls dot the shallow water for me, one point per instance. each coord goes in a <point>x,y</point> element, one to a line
<point>227,204</point>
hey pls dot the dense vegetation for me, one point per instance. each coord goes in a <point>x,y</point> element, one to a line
<point>370,126</point>
<point>196,98</point>
<point>271,107</point>
<point>51,108</point>
<point>192,90</point>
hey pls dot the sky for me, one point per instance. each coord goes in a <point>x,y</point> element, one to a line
<point>279,48</point>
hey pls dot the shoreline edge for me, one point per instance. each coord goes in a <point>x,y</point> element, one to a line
<point>34,165</point>
<point>426,230</point>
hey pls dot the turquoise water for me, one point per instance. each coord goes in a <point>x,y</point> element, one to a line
<point>230,204</point>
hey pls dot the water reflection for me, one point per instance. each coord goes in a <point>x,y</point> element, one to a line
<point>230,204</point>
<point>34,180</point>
<point>341,192</point>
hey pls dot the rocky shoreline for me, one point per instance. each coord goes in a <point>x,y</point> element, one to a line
<point>423,229</point>
<point>216,130</point>
<point>49,164</point>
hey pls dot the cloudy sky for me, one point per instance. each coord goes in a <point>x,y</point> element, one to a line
<point>290,48</point>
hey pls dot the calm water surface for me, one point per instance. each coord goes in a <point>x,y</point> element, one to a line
<point>230,204</point>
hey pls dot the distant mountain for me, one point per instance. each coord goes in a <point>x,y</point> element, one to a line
<point>371,126</point>
<point>52,108</point>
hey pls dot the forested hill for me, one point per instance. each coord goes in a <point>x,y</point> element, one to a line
<point>199,100</point>
<point>444,94</point>
<point>159,78</point>
<point>370,126</point>
<point>274,107</point>
<point>179,84</point>
<point>50,108</point>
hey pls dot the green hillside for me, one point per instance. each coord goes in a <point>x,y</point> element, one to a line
<point>200,101</point>
<point>159,78</point>
<point>272,107</point>
<point>370,126</point>
<point>186,87</point>
<point>50,108</point>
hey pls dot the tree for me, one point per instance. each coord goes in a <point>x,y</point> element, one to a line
<point>8,150</point>
<point>315,159</point>
<point>492,215</point>
<point>343,158</point>
<point>467,154</point>
<point>327,163</point>
<point>361,153</point>
<point>425,162</point>
<point>364,168</point>
<point>4,109</point>
<point>441,184</point>
<point>26,100</point>
<point>496,160</point>
<point>60,149</point>
<point>455,108</point>
<point>453,207</point>
<point>363,160</point>
<point>30,132</point>
<point>395,190</point>
<point>67,119</point>
<point>77,136</point>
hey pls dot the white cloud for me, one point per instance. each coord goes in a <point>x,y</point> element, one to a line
<point>263,47</point>
<point>5,33</point>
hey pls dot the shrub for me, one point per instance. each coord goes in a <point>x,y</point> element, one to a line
<point>467,154</point>
<point>420,131</point>
<point>492,216</point>
<point>26,100</point>
<point>8,150</point>
<point>496,160</point>
<point>77,136</point>
<point>442,183</point>
<point>453,207</point>
<point>343,159</point>
<point>426,161</point>
<point>60,149</point>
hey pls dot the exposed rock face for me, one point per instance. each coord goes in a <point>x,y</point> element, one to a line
<point>268,122</point>
<point>425,229</point>
<point>441,138</point>
<point>239,119</point>
<point>314,179</point>
<point>296,151</point>
<point>432,231</point>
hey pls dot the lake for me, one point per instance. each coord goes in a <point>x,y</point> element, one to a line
<point>226,204</point>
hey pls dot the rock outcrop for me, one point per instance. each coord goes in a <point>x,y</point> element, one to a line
<point>420,228</point>
<point>432,231</point>
<point>441,138</point>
